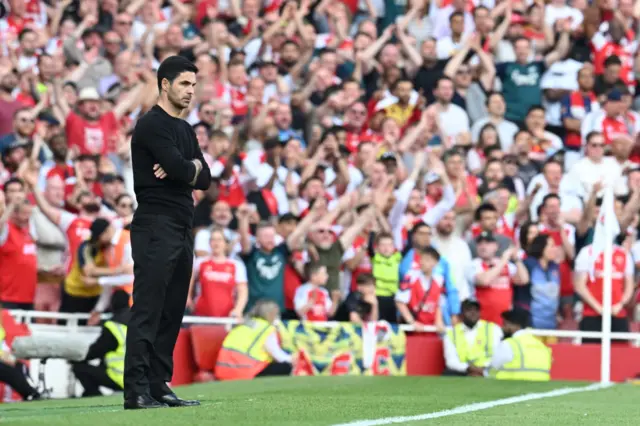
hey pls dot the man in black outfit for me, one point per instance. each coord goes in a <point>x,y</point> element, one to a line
<point>167,166</point>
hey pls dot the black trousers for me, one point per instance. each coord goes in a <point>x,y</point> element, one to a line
<point>15,305</point>
<point>387,309</point>
<point>91,377</point>
<point>619,325</point>
<point>15,377</point>
<point>76,305</point>
<point>162,250</point>
<point>276,369</point>
<point>452,373</point>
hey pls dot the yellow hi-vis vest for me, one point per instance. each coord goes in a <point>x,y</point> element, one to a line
<point>482,350</point>
<point>531,360</point>
<point>114,360</point>
<point>243,354</point>
<point>3,334</point>
<point>386,271</point>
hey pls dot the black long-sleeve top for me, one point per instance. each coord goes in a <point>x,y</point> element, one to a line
<point>159,138</point>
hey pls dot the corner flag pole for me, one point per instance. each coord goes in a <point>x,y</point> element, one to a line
<point>605,354</point>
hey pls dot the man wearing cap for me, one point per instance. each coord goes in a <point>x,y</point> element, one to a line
<point>470,344</point>
<point>612,120</point>
<point>20,138</point>
<point>521,355</point>
<point>89,129</point>
<point>494,277</point>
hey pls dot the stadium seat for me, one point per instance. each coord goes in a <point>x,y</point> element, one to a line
<point>206,342</point>
<point>183,365</point>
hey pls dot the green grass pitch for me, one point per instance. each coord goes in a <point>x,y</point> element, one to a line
<point>326,401</point>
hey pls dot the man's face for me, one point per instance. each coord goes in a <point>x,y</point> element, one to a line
<point>552,210</point>
<point>403,91</point>
<point>421,237</point>
<point>9,82</point>
<point>487,249</point>
<point>494,172</point>
<point>29,43</point>
<point>54,191</point>
<point>416,202</point>
<point>523,49</point>
<point>553,174</point>
<point>595,148</point>
<point>447,224</point>
<point>286,228</point>
<point>389,56</point>
<point>329,61</point>
<point>356,115</point>
<point>91,109</point>
<point>266,237</point>
<point>47,68</point>
<point>58,145</point>
<point>89,205</point>
<point>535,119</point>
<point>22,214</point>
<point>283,117</point>
<point>269,72</point>
<point>488,220</point>
<point>182,90</point>
<point>24,124</point>
<point>444,91</point>
<point>457,24</point>
<point>428,50</point>
<point>496,105</point>
<point>13,191</point>
<point>123,24</point>
<point>586,79</point>
<point>470,316</point>
<point>322,236</point>
<point>89,169</point>
<point>112,44</point>
<point>612,73</point>
<point>221,214</point>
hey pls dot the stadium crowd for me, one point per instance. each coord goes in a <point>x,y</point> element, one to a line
<point>371,159</point>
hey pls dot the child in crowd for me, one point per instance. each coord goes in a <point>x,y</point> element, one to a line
<point>418,299</point>
<point>312,301</point>
<point>385,264</point>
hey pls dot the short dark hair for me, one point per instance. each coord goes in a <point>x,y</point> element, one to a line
<point>11,181</point>
<point>384,235</point>
<point>431,252</point>
<point>311,268</point>
<point>456,14</point>
<point>172,67</point>
<point>486,207</point>
<point>365,279</point>
<point>612,60</point>
<point>549,197</point>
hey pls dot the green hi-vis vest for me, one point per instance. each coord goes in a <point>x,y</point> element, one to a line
<point>386,271</point>
<point>114,360</point>
<point>482,350</point>
<point>3,334</point>
<point>531,360</point>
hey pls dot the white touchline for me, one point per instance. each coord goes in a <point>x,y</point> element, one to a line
<point>463,409</point>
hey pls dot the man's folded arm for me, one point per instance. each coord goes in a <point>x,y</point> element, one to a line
<point>203,180</point>
<point>159,141</point>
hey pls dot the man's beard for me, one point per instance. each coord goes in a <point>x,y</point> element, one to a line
<point>288,63</point>
<point>7,88</point>
<point>469,323</point>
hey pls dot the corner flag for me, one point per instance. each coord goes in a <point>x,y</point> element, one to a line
<point>607,228</point>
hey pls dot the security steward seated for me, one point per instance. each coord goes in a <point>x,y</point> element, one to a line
<point>521,355</point>
<point>109,348</point>
<point>251,349</point>
<point>470,344</point>
<point>13,372</point>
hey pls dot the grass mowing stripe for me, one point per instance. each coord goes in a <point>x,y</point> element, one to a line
<point>469,408</point>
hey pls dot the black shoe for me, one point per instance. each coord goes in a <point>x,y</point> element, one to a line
<point>172,400</point>
<point>142,402</point>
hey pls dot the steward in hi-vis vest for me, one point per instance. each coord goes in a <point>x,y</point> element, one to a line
<point>521,355</point>
<point>470,344</point>
<point>251,349</point>
<point>109,348</point>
